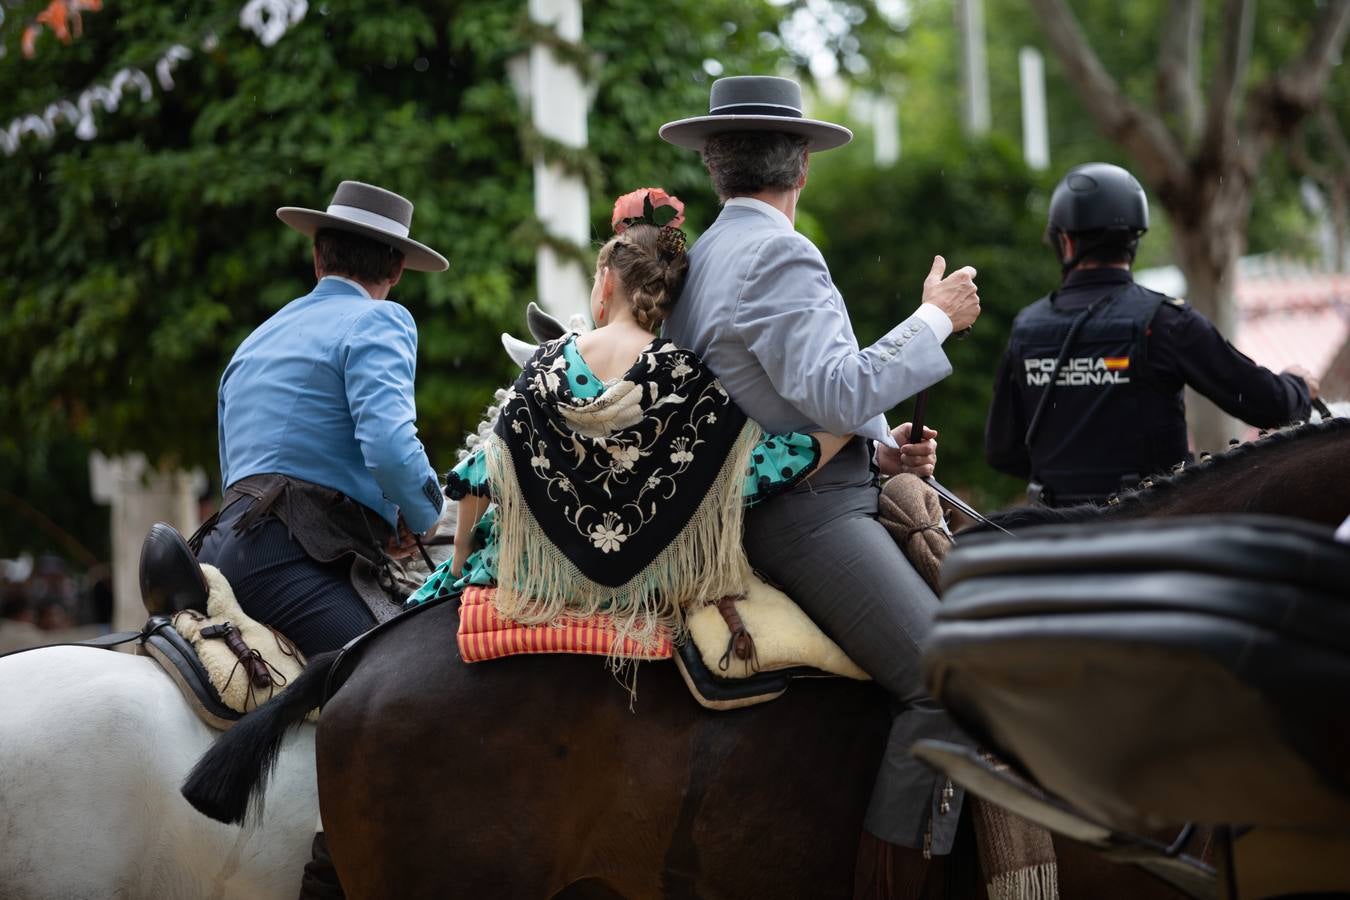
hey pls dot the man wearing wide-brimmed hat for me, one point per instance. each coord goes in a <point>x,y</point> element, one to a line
<point>323,471</point>
<point>761,309</point>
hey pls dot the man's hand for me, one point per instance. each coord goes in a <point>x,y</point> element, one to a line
<point>404,543</point>
<point>1308,378</point>
<point>916,459</point>
<point>956,295</point>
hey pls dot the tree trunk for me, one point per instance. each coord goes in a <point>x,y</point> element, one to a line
<point>1209,238</point>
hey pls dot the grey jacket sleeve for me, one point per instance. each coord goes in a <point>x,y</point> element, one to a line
<point>794,322</point>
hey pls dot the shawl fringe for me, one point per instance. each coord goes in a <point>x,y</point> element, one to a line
<point>1038,882</point>
<point>538,584</point>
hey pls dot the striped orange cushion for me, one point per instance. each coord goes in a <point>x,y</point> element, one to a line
<point>485,634</point>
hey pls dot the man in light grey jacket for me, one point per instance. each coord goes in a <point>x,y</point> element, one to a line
<point>760,307</point>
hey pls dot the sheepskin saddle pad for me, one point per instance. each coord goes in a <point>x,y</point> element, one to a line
<point>746,650</point>
<point>242,662</point>
<point>740,651</point>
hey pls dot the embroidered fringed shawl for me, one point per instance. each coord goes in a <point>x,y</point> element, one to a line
<point>628,504</point>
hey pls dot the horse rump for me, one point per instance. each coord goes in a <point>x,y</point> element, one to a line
<point>233,773</point>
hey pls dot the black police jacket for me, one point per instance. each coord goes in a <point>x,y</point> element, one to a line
<point>1117,411</point>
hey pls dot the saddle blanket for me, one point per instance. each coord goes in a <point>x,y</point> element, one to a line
<point>485,634</point>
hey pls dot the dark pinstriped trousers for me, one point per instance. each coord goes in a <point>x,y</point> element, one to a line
<point>823,544</point>
<point>275,582</point>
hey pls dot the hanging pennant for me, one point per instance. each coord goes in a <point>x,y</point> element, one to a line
<point>269,20</point>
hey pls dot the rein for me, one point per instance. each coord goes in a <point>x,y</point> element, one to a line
<point>98,642</point>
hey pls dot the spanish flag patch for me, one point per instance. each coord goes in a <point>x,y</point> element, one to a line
<point>1116,363</point>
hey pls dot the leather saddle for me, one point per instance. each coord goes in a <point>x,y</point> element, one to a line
<point>722,665</point>
<point>161,642</point>
<point>172,581</point>
<point>171,577</point>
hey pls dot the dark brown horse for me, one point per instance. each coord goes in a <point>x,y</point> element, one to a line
<point>531,777</point>
<point>1301,472</point>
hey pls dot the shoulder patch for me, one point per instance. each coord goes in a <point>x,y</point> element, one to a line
<point>1176,301</point>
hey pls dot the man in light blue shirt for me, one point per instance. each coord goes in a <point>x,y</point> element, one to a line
<point>759,306</point>
<point>323,472</point>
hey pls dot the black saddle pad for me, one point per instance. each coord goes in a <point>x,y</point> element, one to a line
<point>175,653</point>
<point>1166,671</point>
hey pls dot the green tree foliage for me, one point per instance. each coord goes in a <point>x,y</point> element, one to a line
<point>136,262</point>
<point>975,204</point>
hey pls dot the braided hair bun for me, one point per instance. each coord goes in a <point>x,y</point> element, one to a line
<point>670,242</point>
<point>649,260</point>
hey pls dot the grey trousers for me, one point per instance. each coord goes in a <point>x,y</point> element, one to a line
<point>823,544</point>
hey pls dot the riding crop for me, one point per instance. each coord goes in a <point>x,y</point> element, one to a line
<point>915,436</point>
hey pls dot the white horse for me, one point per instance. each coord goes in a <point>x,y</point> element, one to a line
<point>93,748</point>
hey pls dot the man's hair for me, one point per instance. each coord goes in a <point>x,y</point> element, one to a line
<point>356,256</point>
<point>747,162</point>
<point>1107,247</point>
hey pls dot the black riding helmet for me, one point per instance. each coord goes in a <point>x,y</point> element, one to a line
<point>1101,206</point>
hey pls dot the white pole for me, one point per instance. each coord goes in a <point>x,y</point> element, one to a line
<point>558,106</point>
<point>139,496</point>
<point>974,69</point>
<point>1035,134</point>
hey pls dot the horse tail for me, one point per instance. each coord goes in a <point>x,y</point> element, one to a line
<point>234,771</point>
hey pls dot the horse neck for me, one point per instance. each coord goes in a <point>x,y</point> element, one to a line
<point>1297,474</point>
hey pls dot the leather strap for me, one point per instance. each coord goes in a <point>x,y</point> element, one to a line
<point>102,642</point>
<point>249,658</point>
<point>741,642</point>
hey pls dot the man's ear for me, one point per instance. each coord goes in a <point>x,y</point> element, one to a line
<point>806,169</point>
<point>317,272</point>
<point>398,273</point>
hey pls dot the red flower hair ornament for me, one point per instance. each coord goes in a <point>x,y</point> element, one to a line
<point>647,206</point>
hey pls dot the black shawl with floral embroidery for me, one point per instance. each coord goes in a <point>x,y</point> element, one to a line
<point>613,480</point>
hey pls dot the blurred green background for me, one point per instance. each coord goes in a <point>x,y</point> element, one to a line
<point>133,263</point>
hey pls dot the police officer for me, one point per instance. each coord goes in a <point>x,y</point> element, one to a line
<point>1089,397</point>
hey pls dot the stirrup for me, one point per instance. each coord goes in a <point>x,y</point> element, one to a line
<point>171,577</point>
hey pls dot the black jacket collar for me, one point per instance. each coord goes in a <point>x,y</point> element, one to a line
<point>1102,275</point>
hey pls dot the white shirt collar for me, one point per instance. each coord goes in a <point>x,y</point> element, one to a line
<point>356,284</point>
<point>752,203</point>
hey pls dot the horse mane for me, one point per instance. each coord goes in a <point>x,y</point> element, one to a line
<point>1158,488</point>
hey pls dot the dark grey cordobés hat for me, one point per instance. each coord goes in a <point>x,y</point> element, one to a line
<point>755,103</point>
<point>373,212</point>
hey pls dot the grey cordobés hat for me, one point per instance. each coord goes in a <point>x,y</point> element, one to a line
<point>373,212</point>
<point>755,103</point>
